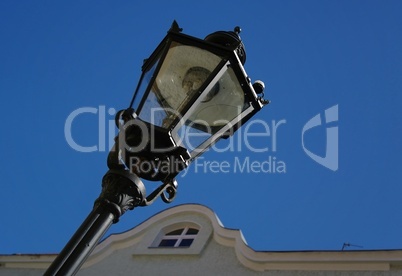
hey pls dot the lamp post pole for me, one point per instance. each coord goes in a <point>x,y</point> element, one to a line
<point>120,192</point>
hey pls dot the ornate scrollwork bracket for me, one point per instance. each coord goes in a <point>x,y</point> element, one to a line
<point>167,191</point>
<point>122,191</point>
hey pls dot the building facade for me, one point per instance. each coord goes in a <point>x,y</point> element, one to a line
<point>190,240</point>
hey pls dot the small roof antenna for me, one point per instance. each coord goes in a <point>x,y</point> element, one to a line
<point>346,244</point>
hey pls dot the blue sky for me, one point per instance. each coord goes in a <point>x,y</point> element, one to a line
<point>312,55</point>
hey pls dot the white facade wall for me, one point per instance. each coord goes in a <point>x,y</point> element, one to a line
<point>214,251</point>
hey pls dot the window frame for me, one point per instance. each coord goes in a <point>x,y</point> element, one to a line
<point>179,238</point>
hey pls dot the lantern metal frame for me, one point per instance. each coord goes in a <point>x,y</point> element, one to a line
<point>233,55</point>
<point>229,47</point>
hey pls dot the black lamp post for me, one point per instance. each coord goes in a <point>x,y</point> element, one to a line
<point>192,92</point>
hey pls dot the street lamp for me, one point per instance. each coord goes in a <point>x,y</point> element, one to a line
<point>191,93</point>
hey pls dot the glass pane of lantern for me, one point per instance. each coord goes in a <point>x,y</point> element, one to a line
<point>178,82</point>
<point>191,137</point>
<point>146,79</point>
<point>153,111</point>
<point>218,107</point>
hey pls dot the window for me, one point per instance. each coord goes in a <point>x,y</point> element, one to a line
<point>179,235</point>
<point>182,237</point>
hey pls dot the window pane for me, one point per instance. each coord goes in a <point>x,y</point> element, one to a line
<point>192,231</point>
<point>186,242</point>
<point>175,232</point>
<point>168,243</point>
